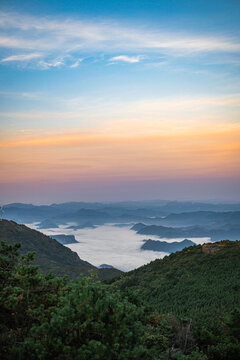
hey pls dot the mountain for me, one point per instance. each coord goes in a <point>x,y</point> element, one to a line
<point>50,255</point>
<point>47,224</point>
<point>64,239</point>
<point>85,225</point>
<point>207,218</point>
<point>138,227</point>
<point>165,246</point>
<point>105,266</point>
<point>198,278</point>
<point>84,215</point>
<point>150,212</point>
<point>171,232</point>
<point>189,206</point>
<point>230,232</point>
<point>185,306</point>
<point>28,213</point>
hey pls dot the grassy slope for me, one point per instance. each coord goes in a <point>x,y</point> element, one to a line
<point>50,255</point>
<point>190,280</point>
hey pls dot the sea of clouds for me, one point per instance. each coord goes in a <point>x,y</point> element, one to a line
<point>112,245</point>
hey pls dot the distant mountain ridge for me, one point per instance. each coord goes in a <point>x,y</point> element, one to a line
<point>84,215</point>
<point>169,247</point>
<point>141,211</point>
<point>226,232</point>
<point>209,218</point>
<point>64,239</point>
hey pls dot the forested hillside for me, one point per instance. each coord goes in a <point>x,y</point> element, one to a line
<point>198,277</point>
<point>50,255</point>
<point>198,290</point>
<point>183,307</point>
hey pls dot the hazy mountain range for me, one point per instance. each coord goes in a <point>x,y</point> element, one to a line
<point>221,231</point>
<point>106,212</point>
<point>170,219</point>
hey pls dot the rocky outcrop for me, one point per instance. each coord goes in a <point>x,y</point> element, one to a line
<point>211,248</point>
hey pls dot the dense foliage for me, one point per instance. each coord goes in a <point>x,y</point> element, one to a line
<point>192,279</point>
<point>201,286</point>
<point>44,317</point>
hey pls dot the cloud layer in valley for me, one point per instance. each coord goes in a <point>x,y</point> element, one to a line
<point>107,244</point>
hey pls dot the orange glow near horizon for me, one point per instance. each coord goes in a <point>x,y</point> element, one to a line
<point>80,156</point>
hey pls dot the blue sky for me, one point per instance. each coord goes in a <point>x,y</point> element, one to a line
<point>126,68</point>
<point>211,13</point>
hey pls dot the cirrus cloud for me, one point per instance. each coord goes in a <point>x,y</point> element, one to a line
<point>22,57</point>
<point>56,37</point>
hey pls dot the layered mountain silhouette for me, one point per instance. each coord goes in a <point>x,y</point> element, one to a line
<point>223,231</point>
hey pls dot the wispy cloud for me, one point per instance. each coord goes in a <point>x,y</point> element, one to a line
<point>50,64</point>
<point>22,57</point>
<point>61,36</point>
<point>21,95</point>
<point>126,58</point>
<point>76,63</point>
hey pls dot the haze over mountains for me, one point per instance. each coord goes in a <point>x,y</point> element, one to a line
<point>221,230</point>
<point>104,212</point>
<point>165,219</point>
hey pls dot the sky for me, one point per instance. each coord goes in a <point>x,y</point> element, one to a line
<point>119,100</point>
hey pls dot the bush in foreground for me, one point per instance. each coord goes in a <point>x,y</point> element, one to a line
<point>45,317</point>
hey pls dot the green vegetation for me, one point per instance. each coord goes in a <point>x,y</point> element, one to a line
<point>190,280</point>
<point>44,317</point>
<point>200,285</point>
<point>50,255</point>
<point>193,315</point>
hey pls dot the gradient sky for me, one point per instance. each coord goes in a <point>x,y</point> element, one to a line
<point>128,100</point>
